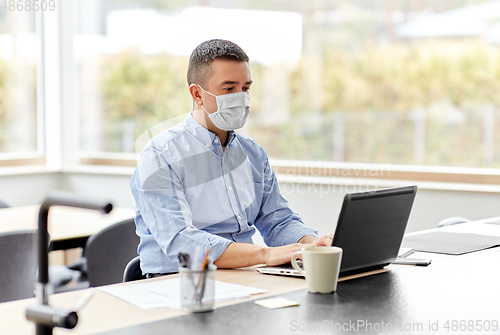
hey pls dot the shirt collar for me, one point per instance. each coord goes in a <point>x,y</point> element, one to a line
<point>202,134</point>
<point>231,135</point>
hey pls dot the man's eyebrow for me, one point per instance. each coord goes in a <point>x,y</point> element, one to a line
<point>230,82</point>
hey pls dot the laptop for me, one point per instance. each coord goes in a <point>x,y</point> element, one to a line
<point>370,230</point>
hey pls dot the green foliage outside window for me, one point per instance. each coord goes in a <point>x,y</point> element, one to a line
<point>379,91</point>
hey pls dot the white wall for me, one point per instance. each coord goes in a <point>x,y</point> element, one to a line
<point>110,187</point>
<point>26,188</point>
<point>319,210</point>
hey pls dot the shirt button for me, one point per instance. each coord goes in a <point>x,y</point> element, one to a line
<point>208,145</point>
<point>239,217</point>
<point>216,141</point>
<point>230,188</point>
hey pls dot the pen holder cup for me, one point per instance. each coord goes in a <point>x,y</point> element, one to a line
<point>197,289</point>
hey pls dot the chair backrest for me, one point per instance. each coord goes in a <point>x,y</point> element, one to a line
<point>133,270</point>
<point>18,265</point>
<point>109,251</point>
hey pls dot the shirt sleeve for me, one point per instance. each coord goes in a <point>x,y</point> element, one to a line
<point>161,201</point>
<point>277,223</point>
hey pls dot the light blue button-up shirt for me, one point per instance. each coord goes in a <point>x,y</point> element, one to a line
<point>190,191</point>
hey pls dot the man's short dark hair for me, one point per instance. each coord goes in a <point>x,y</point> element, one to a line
<point>199,69</point>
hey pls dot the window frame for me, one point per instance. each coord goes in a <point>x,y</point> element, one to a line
<point>59,133</point>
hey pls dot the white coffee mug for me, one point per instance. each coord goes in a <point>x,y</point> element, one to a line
<point>321,267</point>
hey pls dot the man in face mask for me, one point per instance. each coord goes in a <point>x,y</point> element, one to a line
<point>202,185</point>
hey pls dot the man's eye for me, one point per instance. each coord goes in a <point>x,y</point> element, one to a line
<point>228,89</point>
<point>246,89</point>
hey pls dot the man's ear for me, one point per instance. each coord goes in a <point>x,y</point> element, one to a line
<point>194,90</point>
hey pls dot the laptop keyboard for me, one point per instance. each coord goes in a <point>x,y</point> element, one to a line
<point>289,265</point>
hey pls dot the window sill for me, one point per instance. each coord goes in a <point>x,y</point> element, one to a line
<point>350,185</point>
<point>100,169</point>
<point>108,159</point>
<point>434,174</point>
<point>24,159</point>
<point>363,176</point>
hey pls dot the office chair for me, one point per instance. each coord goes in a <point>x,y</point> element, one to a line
<point>59,275</point>
<point>19,264</point>
<point>108,252</point>
<point>133,270</point>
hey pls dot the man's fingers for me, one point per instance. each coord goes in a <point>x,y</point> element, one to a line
<point>325,240</point>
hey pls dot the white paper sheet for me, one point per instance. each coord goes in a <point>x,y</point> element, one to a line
<point>166,293</point>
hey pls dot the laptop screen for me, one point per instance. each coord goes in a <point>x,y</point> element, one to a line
<point>371,227</point>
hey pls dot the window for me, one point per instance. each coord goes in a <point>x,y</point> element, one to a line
<point>407,82</point>
<point>18,99</point>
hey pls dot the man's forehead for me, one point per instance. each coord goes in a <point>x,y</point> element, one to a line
<point>230,72</point>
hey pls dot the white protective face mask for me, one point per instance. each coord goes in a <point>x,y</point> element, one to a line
<point>232,110</point>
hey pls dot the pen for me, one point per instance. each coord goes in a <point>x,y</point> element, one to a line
<point>203,274</point>
<point>204,279</point>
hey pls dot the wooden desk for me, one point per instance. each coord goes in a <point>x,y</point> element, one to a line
<point>453,295</point>
<point>105,312</point>
<point>457,295</point>
<point>68,227</point>
<point>453,288</point>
